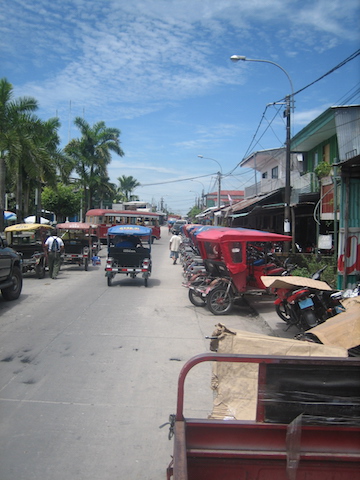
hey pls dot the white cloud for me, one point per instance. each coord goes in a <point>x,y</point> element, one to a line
<point>149,51</point>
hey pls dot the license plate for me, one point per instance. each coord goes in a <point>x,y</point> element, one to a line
<point>306,303</point>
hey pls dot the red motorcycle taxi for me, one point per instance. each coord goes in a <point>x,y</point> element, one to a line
<point>232,269</point>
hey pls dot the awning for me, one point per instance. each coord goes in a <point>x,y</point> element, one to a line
<point>237,215</point>
<point>237,209</point>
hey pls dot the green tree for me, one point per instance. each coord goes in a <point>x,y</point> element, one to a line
<point>13,122</point>
<point>193,212</point>
<point>105,192</point>
<point>91,154</point>
<point>62,200</point>
<point>126,186</point>
<point>37,163</point>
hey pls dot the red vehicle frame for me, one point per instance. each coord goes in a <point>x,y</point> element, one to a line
<point>289,438</point>
<point>226,257</point>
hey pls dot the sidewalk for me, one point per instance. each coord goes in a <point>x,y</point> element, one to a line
<point>264,307</point>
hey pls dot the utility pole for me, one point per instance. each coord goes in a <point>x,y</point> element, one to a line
<point>289,105</point>
<point>287,198</point>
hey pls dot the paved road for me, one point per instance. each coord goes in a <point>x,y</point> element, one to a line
<point>89,372</point>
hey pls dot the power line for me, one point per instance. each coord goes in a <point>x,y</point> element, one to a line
<point>175,181</point>
<point>341,64</point>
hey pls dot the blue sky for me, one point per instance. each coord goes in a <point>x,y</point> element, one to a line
<point>160,71</point>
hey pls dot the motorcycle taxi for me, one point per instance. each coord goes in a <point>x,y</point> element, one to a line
<point>129,252</point>
<point>27,239</point>
<point>77,243</point>
<point>232,268</point>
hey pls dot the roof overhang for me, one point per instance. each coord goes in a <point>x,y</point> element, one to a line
<point>317,131</point>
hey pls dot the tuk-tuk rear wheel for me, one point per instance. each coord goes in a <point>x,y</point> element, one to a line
<point>109,280</point>
<point>40,270</point>
<point>219,301</point>
<point>196,298</point>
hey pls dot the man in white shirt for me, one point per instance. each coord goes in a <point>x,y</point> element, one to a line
<point>54,246</point>
<point>174,246</point>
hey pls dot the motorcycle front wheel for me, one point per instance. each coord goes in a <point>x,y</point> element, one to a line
<point>219,301</point>
<point>196,298</point>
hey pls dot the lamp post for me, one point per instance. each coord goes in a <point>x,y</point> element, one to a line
<point>289,99</point>
<point>197,198</point>
<point>202,192</point>
<point>219,175</point>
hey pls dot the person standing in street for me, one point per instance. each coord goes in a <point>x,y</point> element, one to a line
<point>174,246</point>
<point>54,246</point>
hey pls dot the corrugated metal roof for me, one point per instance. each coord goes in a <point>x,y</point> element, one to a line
<point>238,207</point>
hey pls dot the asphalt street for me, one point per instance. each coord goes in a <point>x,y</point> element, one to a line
<point>89,372</point>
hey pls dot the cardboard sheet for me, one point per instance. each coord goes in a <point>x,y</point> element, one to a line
<point>343,330</point>
<point>293,281</point>
<point>236,385</point>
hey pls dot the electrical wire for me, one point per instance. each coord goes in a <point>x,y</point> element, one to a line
<point>175,181</point>
<point>341,64</point>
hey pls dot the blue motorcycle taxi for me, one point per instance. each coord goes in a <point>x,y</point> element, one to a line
<point>129,252</point>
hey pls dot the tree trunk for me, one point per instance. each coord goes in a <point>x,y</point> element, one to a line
<point>2,191</point>
<point>19,199</point>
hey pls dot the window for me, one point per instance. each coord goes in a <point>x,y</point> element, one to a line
<point>264,175</point>
<point>236,252</point>
<point>212,250</point>
<point>316,159</point>
<point>275,172</point>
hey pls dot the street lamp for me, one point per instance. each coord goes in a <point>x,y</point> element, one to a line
<point>289,104</point>
<point>197,198</point>
<point>202,192</point>
<point>219,175</point>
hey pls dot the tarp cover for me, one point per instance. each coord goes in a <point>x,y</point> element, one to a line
<point>236,385</point>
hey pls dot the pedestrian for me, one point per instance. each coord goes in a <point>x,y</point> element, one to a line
<point>54,246</point>
<point>174,246</point>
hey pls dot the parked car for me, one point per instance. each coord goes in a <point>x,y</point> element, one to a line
<point>177,225</point>
<point>10,272</point>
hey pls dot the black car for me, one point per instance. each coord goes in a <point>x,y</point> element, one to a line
<point>10,272</point>
<point>177,226</point>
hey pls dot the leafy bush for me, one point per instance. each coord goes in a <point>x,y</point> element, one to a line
<point>323,169</point>
<point>308,264</point>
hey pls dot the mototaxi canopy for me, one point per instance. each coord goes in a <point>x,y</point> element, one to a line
<point>74,226</point>
<point>125,230</point>
<point>225,238</point>
<point>226,234</point>
<point>204,228</point>
<point>27,227</point>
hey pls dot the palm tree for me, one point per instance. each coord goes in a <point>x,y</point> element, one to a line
<point>12,122</point>
<point>126,186</point>
<point>37,163</point>
<point>91,154</point>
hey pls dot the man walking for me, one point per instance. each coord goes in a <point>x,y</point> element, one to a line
<point>174,246</point>
<point>55,247</point>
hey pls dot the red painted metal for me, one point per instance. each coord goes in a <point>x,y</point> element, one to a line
<point>207,449</point>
